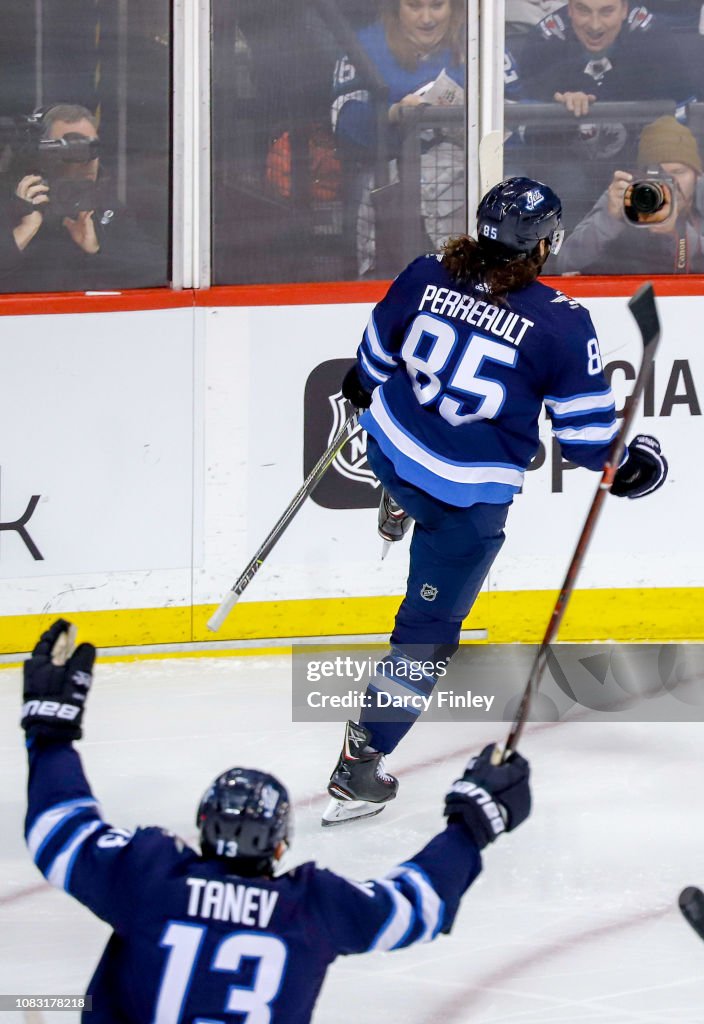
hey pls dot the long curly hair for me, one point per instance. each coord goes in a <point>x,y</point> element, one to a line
<point>471,262</point>
<point>405,52</point>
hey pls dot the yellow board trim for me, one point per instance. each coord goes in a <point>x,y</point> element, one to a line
<point>658,614</point>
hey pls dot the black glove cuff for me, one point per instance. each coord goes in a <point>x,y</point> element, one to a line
<point>48,733</point>
<point>354,391</point>
<point>472,820</point>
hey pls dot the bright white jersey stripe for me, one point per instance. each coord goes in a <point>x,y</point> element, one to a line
<point>578,404</point>
<point>431,906</point>
<point>58,873</point>
<point>587,435</point>
<point>49,821</point>
<point>455,471</point>
<point>399,921</point>
<point>359,94</point>
<point>375,374</point>
<point>377,349</point>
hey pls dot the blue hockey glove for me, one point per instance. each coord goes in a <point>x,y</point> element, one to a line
<point>490,799</point>
<point>54,693</point>
<point>644,470</point>
<point>354,390</point>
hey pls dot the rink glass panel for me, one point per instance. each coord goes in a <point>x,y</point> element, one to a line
<point>577,156</point>
<point>112,57</point>
<point>291,200</point>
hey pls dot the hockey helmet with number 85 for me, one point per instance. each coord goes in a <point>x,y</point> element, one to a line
<point>518,214</point>
<point>244,815</point>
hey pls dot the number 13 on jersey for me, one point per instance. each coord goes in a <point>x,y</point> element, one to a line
<point>184,942</point>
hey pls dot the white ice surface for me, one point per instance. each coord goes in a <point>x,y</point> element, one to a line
<point>574,919</point>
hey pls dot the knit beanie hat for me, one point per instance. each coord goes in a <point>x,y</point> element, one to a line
<point>668,141</point>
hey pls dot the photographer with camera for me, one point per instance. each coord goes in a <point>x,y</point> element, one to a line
<point>60,229</point>
<point>664,198</point>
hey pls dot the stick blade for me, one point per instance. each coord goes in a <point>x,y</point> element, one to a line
<point>642,306</point>
<point>491,161</point>
<point>691,903</point>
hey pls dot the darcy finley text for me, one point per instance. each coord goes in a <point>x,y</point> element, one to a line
<point>381,699</point>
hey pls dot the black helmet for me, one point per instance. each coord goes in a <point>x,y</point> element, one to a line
<point>243,816</point>
<point>517,214</point>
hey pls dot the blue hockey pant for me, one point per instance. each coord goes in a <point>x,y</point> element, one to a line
<point>452,550</point>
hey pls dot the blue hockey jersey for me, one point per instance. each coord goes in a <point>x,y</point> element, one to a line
<point>459,383</point>
<point>644,63</point>
<point>353,114</point>
<point>194,943</point>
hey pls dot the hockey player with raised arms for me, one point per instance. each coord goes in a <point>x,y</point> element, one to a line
<point>453,370</point>
<point>219,936</point>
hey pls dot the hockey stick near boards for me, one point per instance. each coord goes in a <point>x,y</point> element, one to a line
<point>691,903</point>
<point>309,484</point>
<point>491,161</point>
<point>642,306</point>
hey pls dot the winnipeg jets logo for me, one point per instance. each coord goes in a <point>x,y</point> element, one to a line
<point>553,25</point>
<point>639,18</point>
<point>428,592</point>
<point>534,199</point>
<point>351,461</point>
<point>270,798</point>
<point>597,69</point>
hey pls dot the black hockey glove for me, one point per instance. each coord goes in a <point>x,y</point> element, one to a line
<point>354,391</point>
<point>644,470</point>
<point>55,688</point>
<point>490,799</point>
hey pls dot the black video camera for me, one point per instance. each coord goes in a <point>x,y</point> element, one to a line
<point>69,195</point>
<point>650,199</point>
<point>56,161</point>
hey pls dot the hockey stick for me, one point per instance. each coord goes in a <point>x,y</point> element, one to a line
<point>64,646</point>
<point>309,484</point>
<point>491,161</point>
<point>691,903</point>
<point>642,306</point>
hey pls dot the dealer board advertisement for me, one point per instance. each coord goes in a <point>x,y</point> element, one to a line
<point>146,455</point>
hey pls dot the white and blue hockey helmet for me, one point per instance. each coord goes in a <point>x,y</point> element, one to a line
<point>518,213</point>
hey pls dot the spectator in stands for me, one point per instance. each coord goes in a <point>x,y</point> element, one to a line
<point>687,15</point>
<point>59,231</point>
<point>588,54</point>
<point>601,50</point>
<point>523,14</point>
<point>606,242</point>
<point>405,49</point>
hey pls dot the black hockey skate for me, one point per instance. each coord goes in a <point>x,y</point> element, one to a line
<point>394,523</point>
<point>359,785</point>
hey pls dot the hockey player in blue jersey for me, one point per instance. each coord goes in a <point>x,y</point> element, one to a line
<point>453,370</point>
<point>218,936</point>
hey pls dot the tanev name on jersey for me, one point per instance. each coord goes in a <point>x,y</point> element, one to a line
<point>227,901</point>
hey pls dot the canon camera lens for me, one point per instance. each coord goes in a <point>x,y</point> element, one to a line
<point>648,196</point>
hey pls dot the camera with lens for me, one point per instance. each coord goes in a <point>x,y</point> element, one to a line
<point>649,200</point>
<point>61,163</point>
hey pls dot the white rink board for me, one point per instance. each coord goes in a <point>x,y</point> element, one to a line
<point>97,415</point>
<point>165,444</point>
<point>329,553</point>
